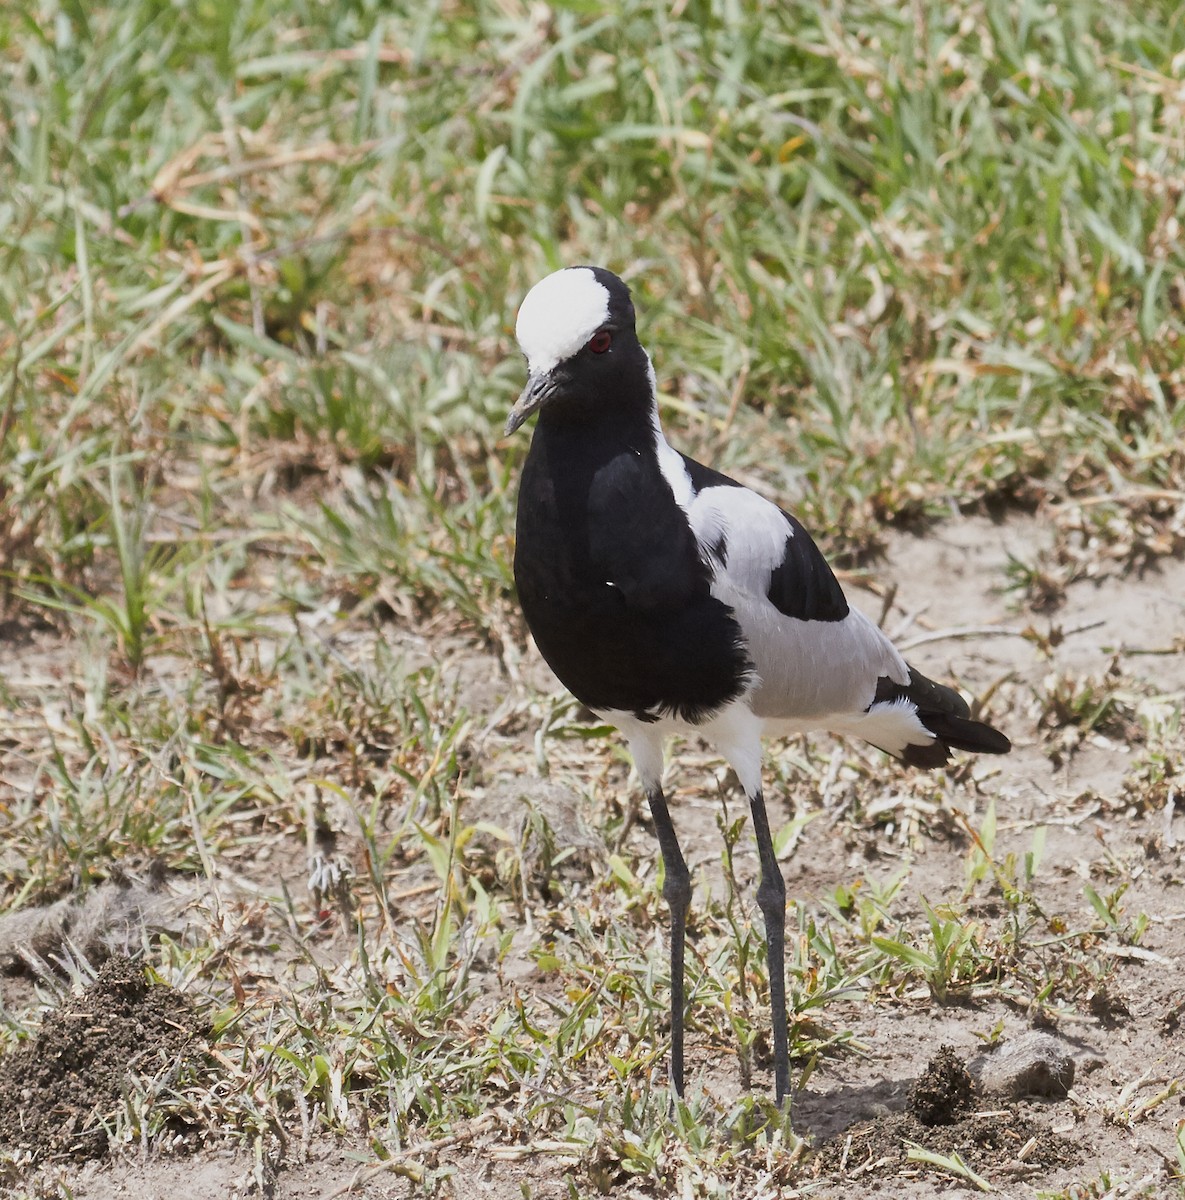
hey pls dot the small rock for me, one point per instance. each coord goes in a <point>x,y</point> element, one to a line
<point>1036,1063</point>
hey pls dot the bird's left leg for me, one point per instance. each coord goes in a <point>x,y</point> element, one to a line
<point>771,899</point>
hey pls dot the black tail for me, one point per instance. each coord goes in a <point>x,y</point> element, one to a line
<point>945,714</point>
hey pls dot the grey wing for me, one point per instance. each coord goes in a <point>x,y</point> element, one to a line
<point>815,658</point>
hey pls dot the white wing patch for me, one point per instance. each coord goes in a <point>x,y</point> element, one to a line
<point>558,316</point>
<point>809,674</point>
<point>753,530</point>
<point>812,674</point>
<point>892,725</point>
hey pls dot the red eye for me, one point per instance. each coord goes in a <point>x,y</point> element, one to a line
<point>600,341</point>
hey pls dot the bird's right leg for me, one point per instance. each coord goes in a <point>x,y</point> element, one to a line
<point>646,748</point>
<point>676,890</point>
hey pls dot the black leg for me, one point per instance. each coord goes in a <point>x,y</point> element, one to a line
<point>771,899</point>
<point>676,891</point>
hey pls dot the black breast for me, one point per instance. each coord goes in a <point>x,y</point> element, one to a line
<point>611,582</point>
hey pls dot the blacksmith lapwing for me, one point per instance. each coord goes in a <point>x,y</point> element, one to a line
<point>669,598</point>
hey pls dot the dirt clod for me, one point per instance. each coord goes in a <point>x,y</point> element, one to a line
<point>59,1092</point>
<point>944,1092</point>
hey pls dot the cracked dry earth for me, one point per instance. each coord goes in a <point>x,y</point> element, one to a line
<point>1091,1096</point>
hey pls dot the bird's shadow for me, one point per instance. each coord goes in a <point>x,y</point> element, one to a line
<point>822,1116</point>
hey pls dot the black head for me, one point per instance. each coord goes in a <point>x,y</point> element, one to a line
<point>576,328</point>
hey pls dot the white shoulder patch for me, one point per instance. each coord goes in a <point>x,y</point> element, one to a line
<point>558,315</point>
<point>670,461</point>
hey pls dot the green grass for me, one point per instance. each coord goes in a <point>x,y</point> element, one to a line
<point>259,265</point>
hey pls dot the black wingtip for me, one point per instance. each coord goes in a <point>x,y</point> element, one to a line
<point>987,740</point>
<point>961,733</point>
<point>947,716</point>
<point>953,733</point>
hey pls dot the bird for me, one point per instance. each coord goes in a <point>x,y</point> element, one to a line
<point>668,598</point>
